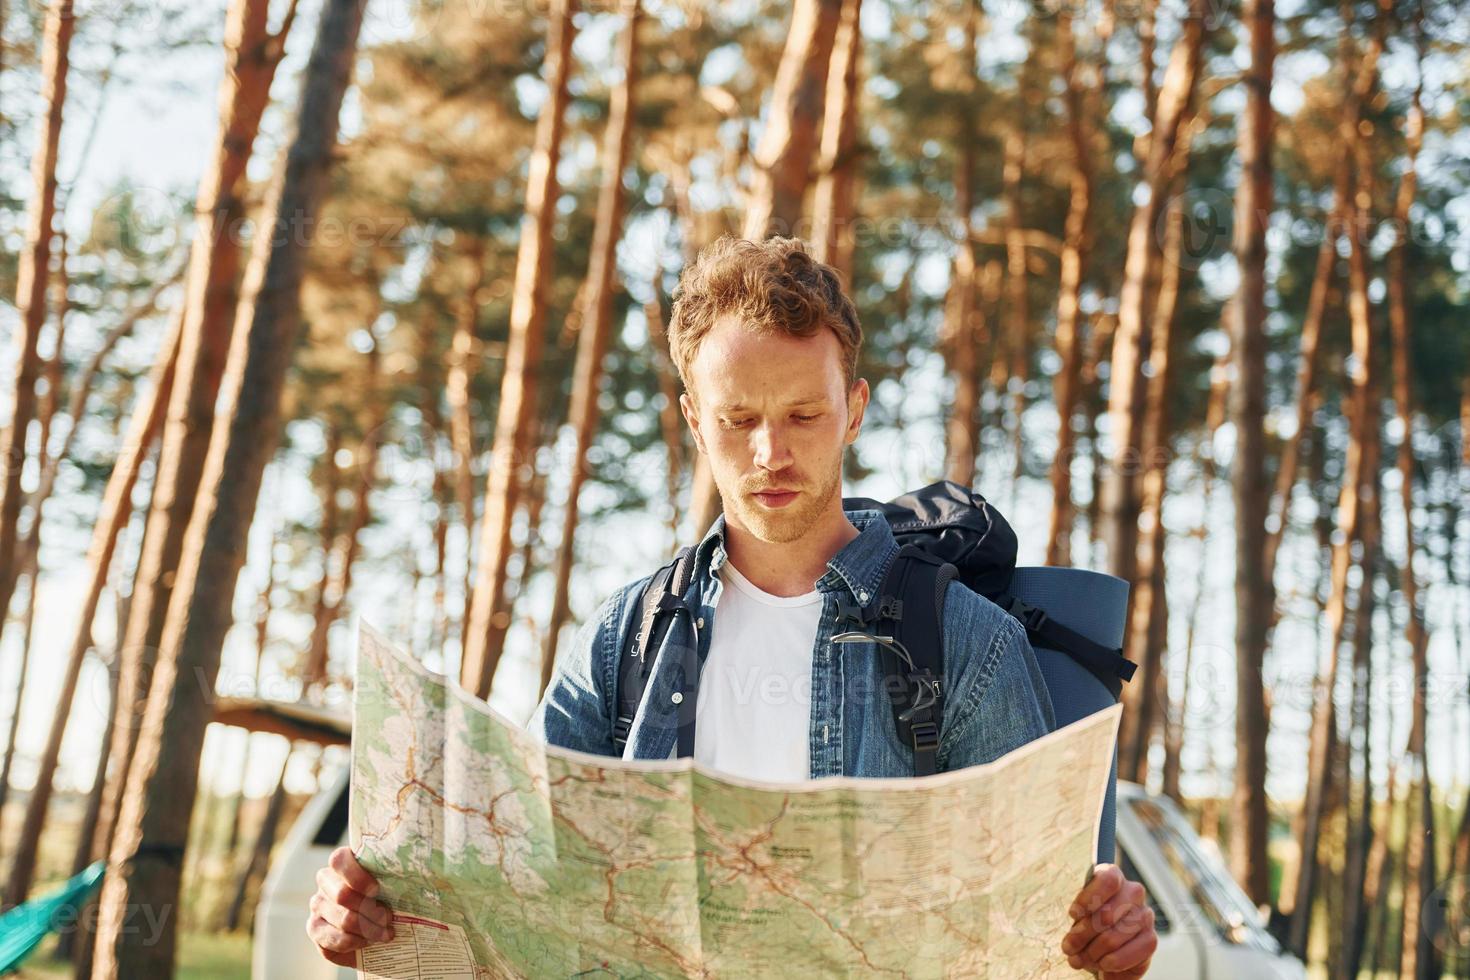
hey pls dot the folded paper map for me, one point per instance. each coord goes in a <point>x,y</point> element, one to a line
<point>504,857</point>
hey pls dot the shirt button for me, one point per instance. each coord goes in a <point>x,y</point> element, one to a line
<point>677,697</point>
<point>699,622</point>
<point>862,596</point>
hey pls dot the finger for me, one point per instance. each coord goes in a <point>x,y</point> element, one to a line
<point>351,921</point>
<point>1105,881</point>
<point>1130,961</point>
<point>1127,926</point>
<point>335,888</point>
<point>344,862</point>
<point>1099,918</point>
<point>347,959</point>
<point>329,937</point>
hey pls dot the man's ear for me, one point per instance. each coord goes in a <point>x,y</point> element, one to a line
<point>857,404</point>
<point>691,416</point>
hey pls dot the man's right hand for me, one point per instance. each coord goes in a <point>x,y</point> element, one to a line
<point>343,916</point>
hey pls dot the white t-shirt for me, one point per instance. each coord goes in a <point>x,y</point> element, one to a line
<point>753,714</point>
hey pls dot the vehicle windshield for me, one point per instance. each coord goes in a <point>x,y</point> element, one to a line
<point>1214,895</point>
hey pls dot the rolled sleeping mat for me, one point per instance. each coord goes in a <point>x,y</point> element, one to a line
<point>1096,605</point>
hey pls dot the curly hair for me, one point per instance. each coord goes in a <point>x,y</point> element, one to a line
<point>773,285</point>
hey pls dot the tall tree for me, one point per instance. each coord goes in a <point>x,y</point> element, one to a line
<point>148,849</point>
<point>1147,628</point>
<point>31,283</point>
<point>117,506</point>
<point>1359,492</point>
<point>485,634</point>
<point>788,143</point>
<point>1076,243</point>
<point>461,424</point>
<point>834,197</point>
<point>1128,381</point>
<point>1248,481</point>
<point>252,54</point>
<point>596,328</point>
<point>963,328</point>
<point>1419,955</point>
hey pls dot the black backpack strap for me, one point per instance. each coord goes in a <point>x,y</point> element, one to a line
<point>911,604</point>
<point>1107,664</point>
<point>662,596</point>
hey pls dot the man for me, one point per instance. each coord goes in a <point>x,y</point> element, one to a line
<point>766,344</point>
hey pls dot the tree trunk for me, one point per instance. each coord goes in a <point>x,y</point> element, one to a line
<point>27,636</point>
<point>431,429</point>
<point>152,832</point>
<point>833,198</point>
<point>252,54</point>
<point>592,339</point>
<point>789,141</point>
<point>1419,959</point>
<point>1253,205</point>
<point>1359,83</point>
<point>314,671</point>
<point>32,277</point>
<point>670,421</point>
<point>1359,490</point>
<point>1143,709</point>
<point>260,853</point>
<point>485,634</point>
<point>1128,383</point>
<point>340,545</point>
<point>1359,837</point>
<point>1094,405</point>
<point>534,494</point>
<point>1076,247</point>
<point>1375,880</point>
<point>461,429</point>
<point>1018,312</point>
<point>78,943</point>
<point>111,519</point>
<point>1179,709</point>
<point>963,326</point>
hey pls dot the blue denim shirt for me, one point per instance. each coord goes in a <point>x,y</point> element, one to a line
<point>995,697</point>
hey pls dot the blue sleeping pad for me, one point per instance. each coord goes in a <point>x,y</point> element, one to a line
<point>1095,605</point>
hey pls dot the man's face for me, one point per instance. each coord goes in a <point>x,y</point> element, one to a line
<point>773,414</point>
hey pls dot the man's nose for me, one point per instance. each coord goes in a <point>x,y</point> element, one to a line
<point>772,450</point>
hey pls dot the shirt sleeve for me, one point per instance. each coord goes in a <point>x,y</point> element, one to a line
<point>576,711</point>
<point>1003,706</point>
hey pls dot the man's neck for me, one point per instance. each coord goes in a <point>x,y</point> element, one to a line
<point>788,568</point>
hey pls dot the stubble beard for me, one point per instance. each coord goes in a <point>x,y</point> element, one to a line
<point>789,523</point>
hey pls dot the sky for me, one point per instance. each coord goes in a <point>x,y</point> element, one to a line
<point>154,125</point>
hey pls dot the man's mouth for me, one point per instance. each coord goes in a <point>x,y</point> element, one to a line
<point>776,498</point>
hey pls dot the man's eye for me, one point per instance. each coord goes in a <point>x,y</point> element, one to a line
<point>807,418</point>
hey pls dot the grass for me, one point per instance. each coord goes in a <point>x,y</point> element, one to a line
<point>202,956</point>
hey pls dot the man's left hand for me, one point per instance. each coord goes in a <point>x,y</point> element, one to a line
<point>1112,931</point>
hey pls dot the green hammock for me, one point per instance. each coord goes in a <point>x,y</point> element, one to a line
<point>23,927</point>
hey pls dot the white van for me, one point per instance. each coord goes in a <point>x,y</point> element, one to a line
<point>1206,925</point>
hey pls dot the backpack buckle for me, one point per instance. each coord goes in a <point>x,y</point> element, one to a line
<point>925,735</point>
<point>890,607</point>
<point>849,612</point>
<point>1030,616</point>
<point>621,727</point>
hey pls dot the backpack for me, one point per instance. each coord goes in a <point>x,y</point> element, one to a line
<point>945,532</point>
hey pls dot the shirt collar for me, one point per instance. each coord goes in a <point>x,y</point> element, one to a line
<point>858,567</point>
